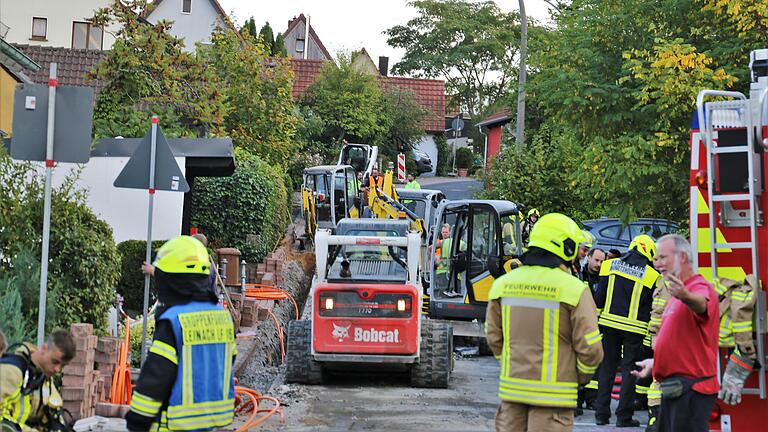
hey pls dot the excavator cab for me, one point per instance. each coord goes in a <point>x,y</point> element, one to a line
<point>475,241</point>
<point>329,194</point>
<point>361,157</point>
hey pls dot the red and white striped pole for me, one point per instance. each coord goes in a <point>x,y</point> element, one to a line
<point>400,167</point>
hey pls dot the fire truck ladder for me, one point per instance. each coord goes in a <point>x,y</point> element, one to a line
<point>736,113</point>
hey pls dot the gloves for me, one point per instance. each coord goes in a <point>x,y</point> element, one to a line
<point>738,369</point>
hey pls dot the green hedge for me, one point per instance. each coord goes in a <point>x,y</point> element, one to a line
<point>131,284</point>
<point>255,200</point>
<point>84,263</point>
<point>443,155</point>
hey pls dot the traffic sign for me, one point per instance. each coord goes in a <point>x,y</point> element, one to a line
<point>457,124</point>
<point>400,167</point>
<point>168,176</point>
<point>73,113</point>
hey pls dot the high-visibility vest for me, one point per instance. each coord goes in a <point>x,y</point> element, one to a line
<point>628,296</point>
<point>413,185</point>
<point>550,336</point>
<point>203,395</point>
<point>445,254</point>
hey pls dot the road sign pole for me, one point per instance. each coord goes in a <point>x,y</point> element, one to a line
<point>52,83</point>
<point>149,235</point>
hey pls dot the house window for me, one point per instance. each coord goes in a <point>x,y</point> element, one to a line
<point>299,45</point>
<point>186,6</point>
<point>39,28</point>
<point>86,36</point>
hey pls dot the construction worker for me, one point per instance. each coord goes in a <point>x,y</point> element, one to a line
<point>186,381</point>
<point>624,296</point>
<point>541,326</point>
<point>29,400</point>
<point>412,183</point>
<point>530,220</point>
<point>443,263</point>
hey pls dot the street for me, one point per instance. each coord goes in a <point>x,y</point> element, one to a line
<point>454,188</point>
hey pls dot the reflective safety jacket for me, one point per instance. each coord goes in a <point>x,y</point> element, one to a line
<point>22,402</point>
<point>202,396</point>
<point>541,325</point>
<point>624,293</point>
<point>660,297</point>
<point>737,307</point>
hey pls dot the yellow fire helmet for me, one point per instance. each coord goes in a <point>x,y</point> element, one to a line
<point>183,254</point>
<point>557,233</point>
<point>645,245</point>
<point>534,211</point>
<point>588,240</point>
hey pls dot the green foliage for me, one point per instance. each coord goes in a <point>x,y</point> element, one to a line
<point>347,101</point>
<point>255,200</point>
<point>621,79</point>
<point>257,92</point>
<point>131,284</point>
<point>278,50</point>
<point>443,155</point>
<point>23,277</point>
<point>248,30</point>
<point>472,45</point>
<point>134,339</point>
<point>402,117</point>
<point>267,38</point>
<point>147,73</point>
<point>84,264</point>
<point>463,157</point>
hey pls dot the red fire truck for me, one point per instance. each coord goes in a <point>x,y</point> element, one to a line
<point>728,203</point>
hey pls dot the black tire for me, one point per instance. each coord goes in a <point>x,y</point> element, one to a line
<point>435,363</point>
<point>300,367</point>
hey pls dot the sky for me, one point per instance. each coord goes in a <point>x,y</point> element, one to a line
<point>348,25</point>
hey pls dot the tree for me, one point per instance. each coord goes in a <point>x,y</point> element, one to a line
<point>257,92</point>
<point>348,102</point>
<point>267,39</point>
<point>249,28</point>
<point>470,45</point>
<point>279,48</point>
<point>147,73</point>
<point>403,117</point>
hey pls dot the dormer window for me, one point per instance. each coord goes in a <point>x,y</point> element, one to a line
<point>299,45</point>
<point>186,6</point>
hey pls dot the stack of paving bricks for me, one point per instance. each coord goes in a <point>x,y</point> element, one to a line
<point>106,359</point>
<point>248,313</point>
<point>270,272</point>
<point>80,381</point>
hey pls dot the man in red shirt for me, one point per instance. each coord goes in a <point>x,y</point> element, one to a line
<point>685,352</point>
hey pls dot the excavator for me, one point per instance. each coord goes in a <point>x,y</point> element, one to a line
<point>329,193</point>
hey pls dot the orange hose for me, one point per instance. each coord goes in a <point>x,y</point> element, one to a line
<point>253,403</point>
<point>279,335</point>
<point>269,292</point>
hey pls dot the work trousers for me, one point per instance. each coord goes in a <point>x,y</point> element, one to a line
<point>517,417</point>
<point>689,412</point>
<point>613,343</point>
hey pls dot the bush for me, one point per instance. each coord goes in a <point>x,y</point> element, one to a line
<point>443,155</point>
<point>84,263</point>
<point>463,157</point>
<point>252,201</point>
<point>131,283</point>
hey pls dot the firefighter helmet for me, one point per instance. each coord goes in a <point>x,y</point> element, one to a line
<point>588,239</point>
<point>183,254</point>
<point>533,211</point>
<point>645,245</point>
<point>557,233</point>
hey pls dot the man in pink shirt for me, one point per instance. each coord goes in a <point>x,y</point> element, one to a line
<point>685,354</point>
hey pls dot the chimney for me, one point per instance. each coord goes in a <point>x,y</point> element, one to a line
<point>383,65</point>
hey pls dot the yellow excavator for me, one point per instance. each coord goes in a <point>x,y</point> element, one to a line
<point>384,203</point>
<point>329,193</point>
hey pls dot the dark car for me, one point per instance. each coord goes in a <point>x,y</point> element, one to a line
<point>611,233</point>
<point>423,162</point>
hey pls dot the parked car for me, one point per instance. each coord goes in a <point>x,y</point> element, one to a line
<point>423,162</point>
<point>611,233</point>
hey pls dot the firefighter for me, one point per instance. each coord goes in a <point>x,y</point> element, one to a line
<point>624,296</point>
<point>29,399</point>
<point>541,326</point>
<point>581,253</point>
<point>186,381</point>
<point>530,220</point>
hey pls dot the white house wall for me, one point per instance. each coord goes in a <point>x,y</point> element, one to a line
<point>194,27</point>
<point>125,210</point>
<point>17,15</point>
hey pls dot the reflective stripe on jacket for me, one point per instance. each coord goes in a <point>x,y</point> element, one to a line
<point>625,293</point>
<point>737,307</point>
<point>660,297</point>
<point>542,327</point>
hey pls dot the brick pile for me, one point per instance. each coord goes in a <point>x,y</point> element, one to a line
<point>249,313</point>
<point>273,266</point>
<point>87,379</point>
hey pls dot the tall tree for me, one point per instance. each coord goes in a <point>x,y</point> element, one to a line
<point>471,45</point>
<point>278,50</point>
<point>250,28</point>
<point>267,38</point>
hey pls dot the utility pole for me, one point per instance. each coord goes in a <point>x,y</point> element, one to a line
<point>520,132</point>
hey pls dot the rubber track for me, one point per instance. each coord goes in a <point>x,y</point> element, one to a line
<point>300,366</point>
<point>436,357</point>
